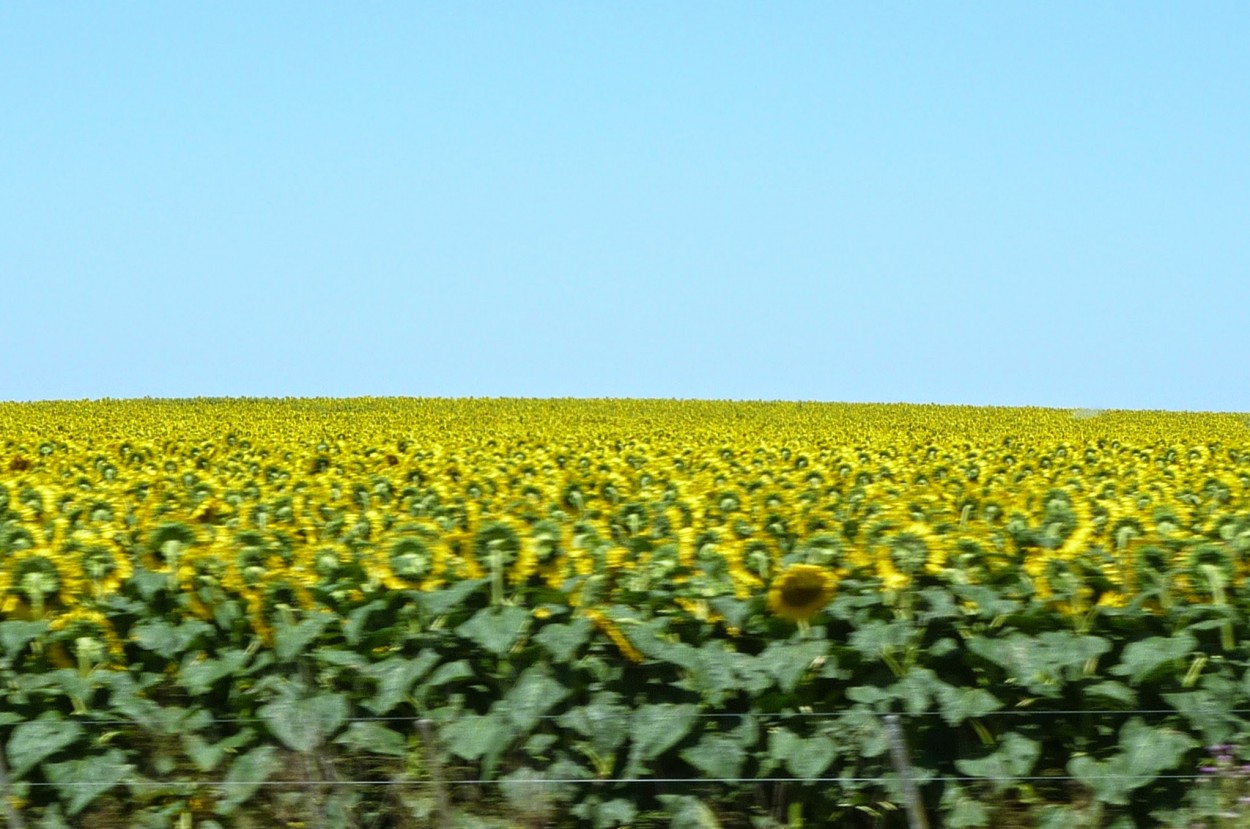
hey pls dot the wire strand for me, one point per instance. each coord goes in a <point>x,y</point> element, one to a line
<point>86,720</point>
<point>563,781</point>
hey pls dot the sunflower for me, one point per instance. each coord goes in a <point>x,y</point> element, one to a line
<point>91,636</point>
<point>801,591</point>
<point>613,632</point>
<point>409,562</point>
<point>105,567</point>
<point>38,579</point>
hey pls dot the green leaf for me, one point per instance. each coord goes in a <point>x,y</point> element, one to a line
<point>1041,663</point>
<point>207,756</point>
<point>1152,750</point>
<point>374,738</point>
<point>1104,779</point>
<point>1144,658</point>
<point>868,694</point>
<point>960,811</point>
<point>354,628</point>
<point>877,637</point>
<point>247,774</point>
<point>74,684</point>
<point>35,740</point>
<point>476,735</point>
<point>1245,683</point>
<point>302,724</point>
<point>656,728</point>
<point>1144,753</point>
<point>867,729</point>
<point>942,647</point>
<point>747,732</point>
<point>711,673</point>
<point>987,600</point>
<point>613,813</point>
<point>291,640</point>
<point>736,611</point>
<point>916,689</point>
<point>959,704</point>
<point>603,721</point>
<point>168,640</point>
<point>149,583</point>
<point>562,641</point>
<point>496,629</point>
<point>444,601</point>
<point>52,818</point>
<point>79,782</point>
<point>449,672</point>
<point>395,677</point>
<point>227,613</point>
<point>717,756</point>
<point>788,662</point>
<point>688,812</point>
<point>524,790</point>
<point>805,758</point>
<point>1209,713</point>
<point>534,693</point>
<point>1111,691</point>
<point>1015,758</point>
<point>199,675</point>
<point>342,659</point>
<point>140,710</point>
<point>539,744</point>
<point>16,635</point>
<point>565,769</point>
<point>1060,817</point>
<point>940,605</point>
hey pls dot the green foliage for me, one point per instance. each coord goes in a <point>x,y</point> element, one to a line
<point>31,742</point>
<point>78,782</point>
<point>1143,753</point>
<point>304,723</point>
<point>1015,758</point>
<point>495,629</point>
<point>247,774</point>
<point>521,650</point>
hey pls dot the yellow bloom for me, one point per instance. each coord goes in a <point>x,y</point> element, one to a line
<point>801,591</point>
<point>91,625</point>
<point>614,633</point>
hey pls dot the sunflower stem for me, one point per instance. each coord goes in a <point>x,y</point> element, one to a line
<point>892,664</point>
<point>496,574</point>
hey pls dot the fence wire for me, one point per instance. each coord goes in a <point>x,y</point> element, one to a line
<point>1077,712</point>
<point>881,779</point>
<point>593,781</point>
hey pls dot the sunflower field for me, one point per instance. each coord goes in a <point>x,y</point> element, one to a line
<point>620,613</point>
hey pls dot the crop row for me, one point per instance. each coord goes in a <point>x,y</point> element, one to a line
<point>224,624</point>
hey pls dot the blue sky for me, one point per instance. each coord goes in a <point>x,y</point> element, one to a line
<point>987,203</point>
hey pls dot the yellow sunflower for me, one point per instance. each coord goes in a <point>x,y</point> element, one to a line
<point>613,631</point>
<point>800,591</point>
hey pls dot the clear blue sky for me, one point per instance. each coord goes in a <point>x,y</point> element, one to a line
<point>987,203</point>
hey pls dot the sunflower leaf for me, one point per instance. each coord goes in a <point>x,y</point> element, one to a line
<point>788,662</point>
<point>495,629</point>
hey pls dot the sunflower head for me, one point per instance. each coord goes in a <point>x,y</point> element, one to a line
<point>497,538</point>
<point>411,561</point>
<point>800,591</point>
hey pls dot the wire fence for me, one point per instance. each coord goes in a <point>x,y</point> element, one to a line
<point>1074,712</point>
<point>901,762</point>
<point>582,781</point>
